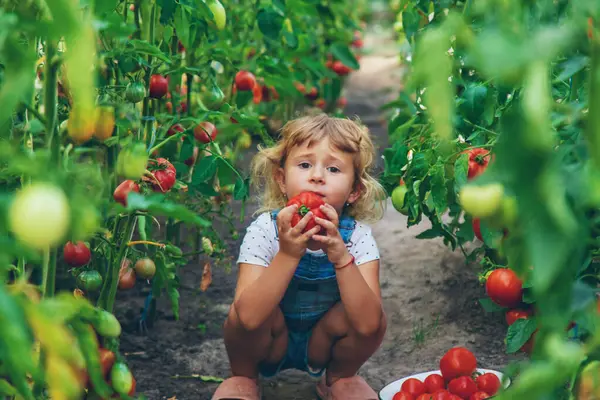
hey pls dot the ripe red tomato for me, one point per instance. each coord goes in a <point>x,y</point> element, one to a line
<point>504,287</point>
<point>424,396</point>
<point>321,103</point>
<point>478,161</point>
<point>457,361</point>
<point>403,396</point>
<point>339,68</point>
<point>245,80</point>
<point>76,255</point>
<point>126,277</point>
<point>205,132</point>
<point>413,386</point>
<point>165,174</point>
<point>257,94</point>
<point>107,359</point>
<point>300,87</point>
<point>121,192</point>
<point>463,386</point>
<point>513,315</point>
<point>479,396</point>
<point>477,228</point>
<point>442,394</point>
<point>312,94</point>
<point>341,103</point>
<point>175,129</point>
<point>434,382</point>
<point>307,201</point>
<point>488,383</point>
<point>159,86</point>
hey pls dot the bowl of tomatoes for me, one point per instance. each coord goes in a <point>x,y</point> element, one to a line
<point>458,378</point>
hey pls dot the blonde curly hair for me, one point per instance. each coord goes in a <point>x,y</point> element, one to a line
<point>346,135</point>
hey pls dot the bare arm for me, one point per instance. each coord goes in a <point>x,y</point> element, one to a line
<point>361,296</point>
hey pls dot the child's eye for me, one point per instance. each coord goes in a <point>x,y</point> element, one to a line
<point>304,165</point>
<point>334,170</point>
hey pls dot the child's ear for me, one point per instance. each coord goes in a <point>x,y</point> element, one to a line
<point>280,178</point>
<point>355,194</point>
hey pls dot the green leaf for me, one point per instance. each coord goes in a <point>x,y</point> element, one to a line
<point>157,204</point>
<point>572,66</point>
<point>461,170</point>
<point>395,158</point>
<point>173,294</point>
<point>205,170</point>
<point>342,52</point>
<point>317,68</point>
<point>240,191</point>
<point>519,333</point>
<point>438,189</point>
<point>182,26</point>
<point>242,98</point>
<point>226,174</point>
<point>489,306</point>
<point>430,233</point>
<point>270,22</point>
<point>144,47</point>
<point>205,189</point>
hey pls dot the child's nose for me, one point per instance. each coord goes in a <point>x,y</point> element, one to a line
<point>317,175</point>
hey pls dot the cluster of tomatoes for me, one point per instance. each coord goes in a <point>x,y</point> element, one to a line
<point>458,379</point>
<point>116,374</point>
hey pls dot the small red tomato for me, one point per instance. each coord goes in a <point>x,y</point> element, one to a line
<point>165,175</point>
<point>340,69</point>
<point>205,132</point>
<point>312,94</point>
<point>434,382</point>
<point>457,361</point>
<point>342,102</point>
<point>76,255</point>
<point>479,396</point>
<point>513,315</point>
<point>175,129</point>
<point>159,86</point>
<point>321,103</point>
<point>121,192</point>
<point>403,396</point>
<point>477,228</point>
<point>504,287</point>
<point>245,80</point>
<point>126,277</point>
<point>463,386</point>
<point>424,396</point>
<point>488,383</point>
<point>300,87</point>
<point>413,386</point>
<point>442,394</point>
<point>257,94</point>
<point>307,201</point>
<point>478,161</point>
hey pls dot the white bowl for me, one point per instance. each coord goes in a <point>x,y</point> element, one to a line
<point>388,392</point>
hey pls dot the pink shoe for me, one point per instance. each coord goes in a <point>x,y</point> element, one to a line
<point>353,388</point>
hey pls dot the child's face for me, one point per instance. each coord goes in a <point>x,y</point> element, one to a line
<point>321,168</point>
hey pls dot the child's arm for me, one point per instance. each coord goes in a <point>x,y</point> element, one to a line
<point>259,290</point>
<point>359,286</point>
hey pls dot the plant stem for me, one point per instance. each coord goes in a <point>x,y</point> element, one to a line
<point>115,267</point>
<point>50,98</point>
<point>51,281</point>
<point>45,268</point>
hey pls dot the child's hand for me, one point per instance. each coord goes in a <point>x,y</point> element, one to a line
<point>333,243</point>
<point>291,239</point>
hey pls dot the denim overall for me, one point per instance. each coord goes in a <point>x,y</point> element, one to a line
<point>312,292</point>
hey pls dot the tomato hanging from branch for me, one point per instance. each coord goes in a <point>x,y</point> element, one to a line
<point>76,254</point>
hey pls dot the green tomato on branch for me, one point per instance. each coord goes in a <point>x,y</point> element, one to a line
<point>481,201</point>
<point>398,197</point>
<point>219,13</point>
<point>132,161</point>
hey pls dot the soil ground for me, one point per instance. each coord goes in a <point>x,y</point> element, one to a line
<point>430,294</point>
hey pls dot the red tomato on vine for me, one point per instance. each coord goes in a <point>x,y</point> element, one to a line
<point>478,161</point>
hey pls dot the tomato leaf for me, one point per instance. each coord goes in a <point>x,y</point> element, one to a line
<point>519,333</point>
<point>342,52</point>
<point>461,169</point>
<point>489,306</point>
<point>438,189</point>
<point>270,22</point>
<point>206,189</point>
<point>240,191</point>
<point>144,47</point>
<point>242,98</point>
<point>158,205</point>
<point>205,170</point>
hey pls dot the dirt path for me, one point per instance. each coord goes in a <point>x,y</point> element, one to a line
<point>430,295</point>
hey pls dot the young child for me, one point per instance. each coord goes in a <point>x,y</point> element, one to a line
<point>309,301</point>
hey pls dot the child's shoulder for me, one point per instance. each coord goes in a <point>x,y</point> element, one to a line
<point>264,221</point>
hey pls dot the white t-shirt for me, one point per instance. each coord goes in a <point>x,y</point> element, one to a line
<point>260,243</point>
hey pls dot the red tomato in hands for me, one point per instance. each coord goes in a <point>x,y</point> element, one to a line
<point>442,394</point>
<point>245,80</point>
<point>424,396</point>
<point>504,287</point>
<point>121,192</point>
<point>434,382</point>
<point>159,86</point>
<point>307,201</point>
<point>463,386</point>
<point>76,255</point>
<point>479,396</point>
<point>478,161</point>
<point>413,386</point>
<point>403,396</point>
<point>457,361</point>
<point>165,175</point>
